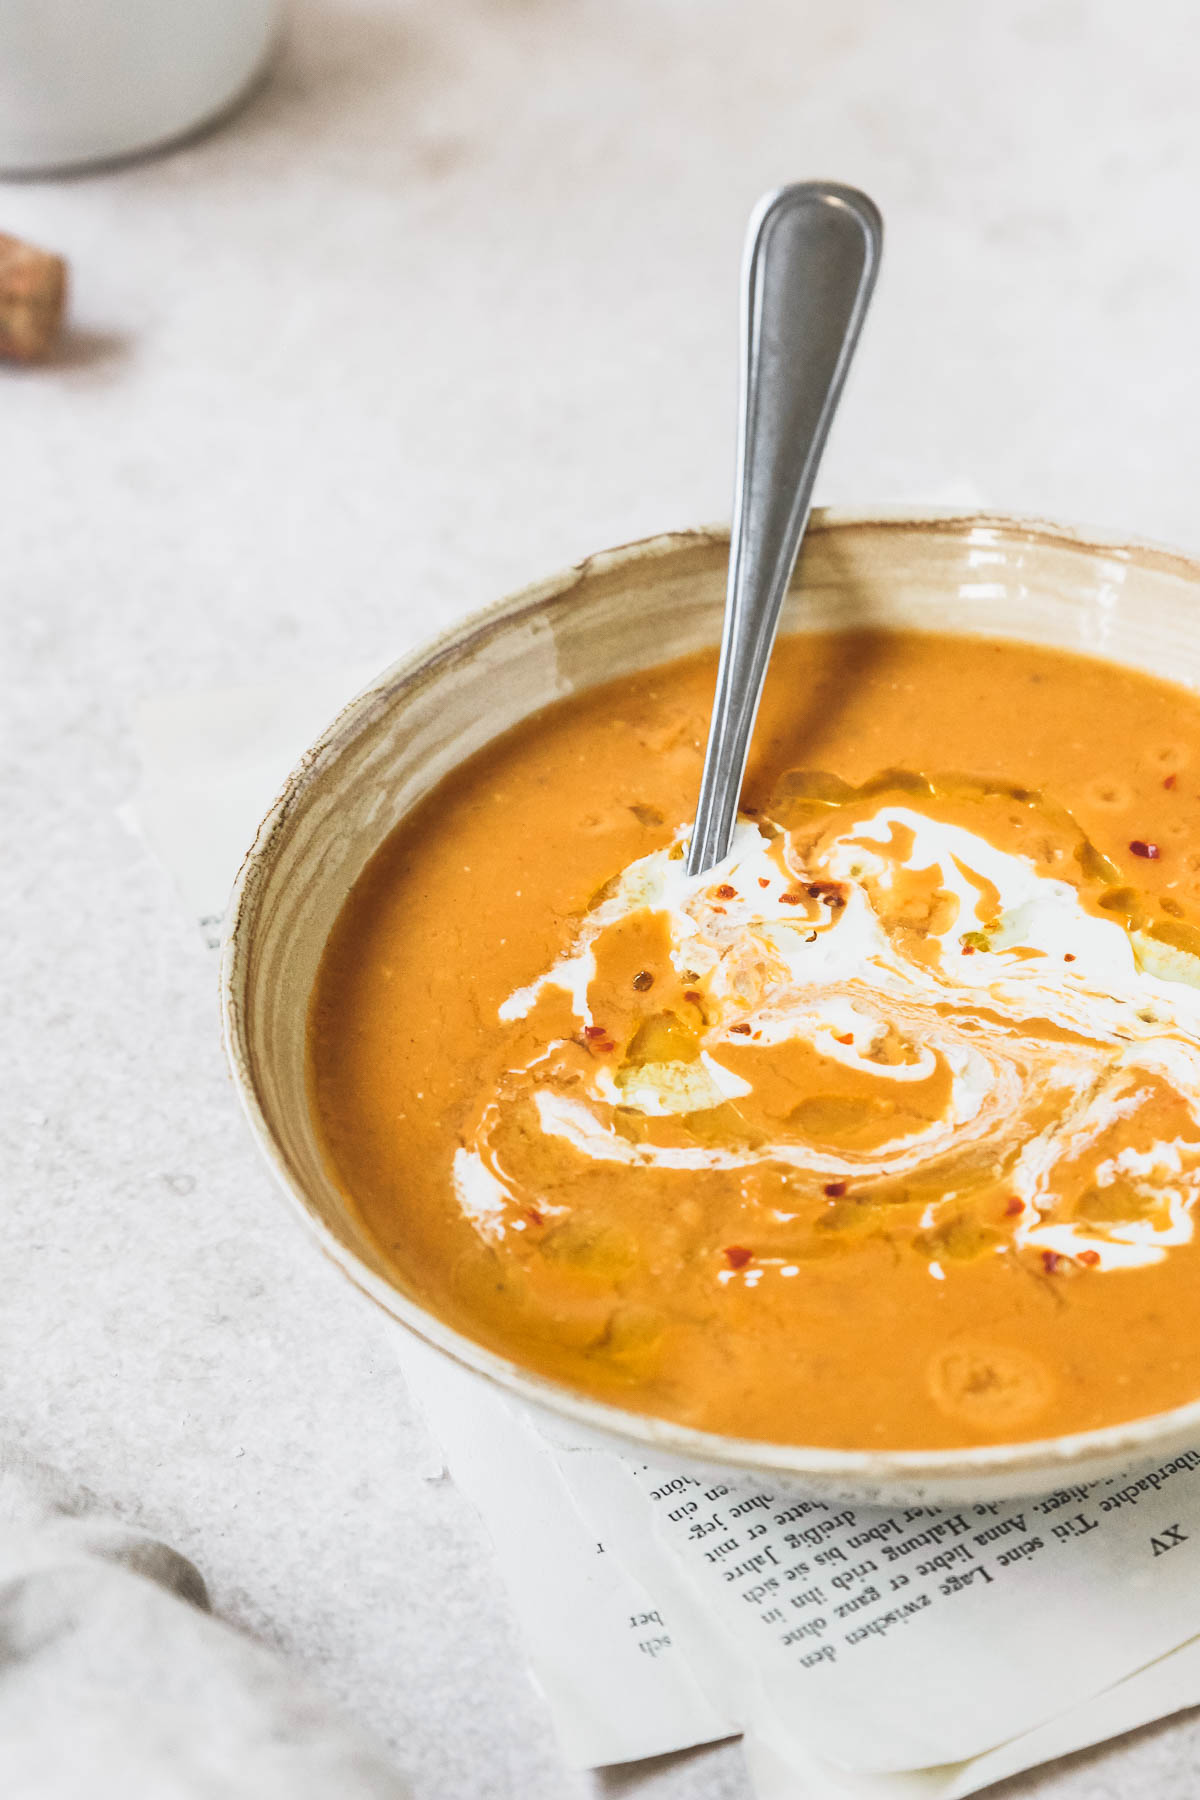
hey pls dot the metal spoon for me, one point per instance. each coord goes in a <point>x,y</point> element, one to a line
<point>812,254</point>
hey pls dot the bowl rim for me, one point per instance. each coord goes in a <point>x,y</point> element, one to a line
<point>1126,1441</point>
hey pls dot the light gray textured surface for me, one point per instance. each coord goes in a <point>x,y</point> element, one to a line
<point>451,303</point>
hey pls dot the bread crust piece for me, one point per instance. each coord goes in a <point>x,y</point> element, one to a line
<point>33,289</point>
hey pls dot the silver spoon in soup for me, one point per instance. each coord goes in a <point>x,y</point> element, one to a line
<point>812,254</point>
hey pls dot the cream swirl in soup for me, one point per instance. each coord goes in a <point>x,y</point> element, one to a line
<point>893,1001</point>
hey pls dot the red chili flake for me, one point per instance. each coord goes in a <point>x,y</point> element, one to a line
<point>1051,1261</point>
<point>1068,956</point>
<point>737,1256</point>
<point>1141,848</point>
<point>1013,1206</point>
<point>1168,782</point>
<point>534,1216</point>
<point>792,899</point>
<point>843,1037</point>
<point>1089,1258</point>
<point>693,996</point>
<point>835,1189</point>
<point>744,1029</point>
<point>594,1031</point>
<point>764,881</point>
<point>968,949</point>
<point>643,980</point>
<point>725,892</point>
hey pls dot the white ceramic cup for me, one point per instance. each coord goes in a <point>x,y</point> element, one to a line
<point>86,81</point>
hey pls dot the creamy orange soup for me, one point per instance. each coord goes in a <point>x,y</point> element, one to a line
<point>884,1133</point>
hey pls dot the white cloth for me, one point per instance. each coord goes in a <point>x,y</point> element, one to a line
<point>116,1680</point>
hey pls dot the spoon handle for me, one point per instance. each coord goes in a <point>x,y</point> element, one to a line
<point>812,253</point>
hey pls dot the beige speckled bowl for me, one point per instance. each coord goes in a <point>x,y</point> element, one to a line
<point>620,611</point>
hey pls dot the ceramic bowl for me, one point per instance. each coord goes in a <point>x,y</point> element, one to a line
<point>621,611</point>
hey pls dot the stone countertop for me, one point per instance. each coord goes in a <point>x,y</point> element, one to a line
<point>449,304</point>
